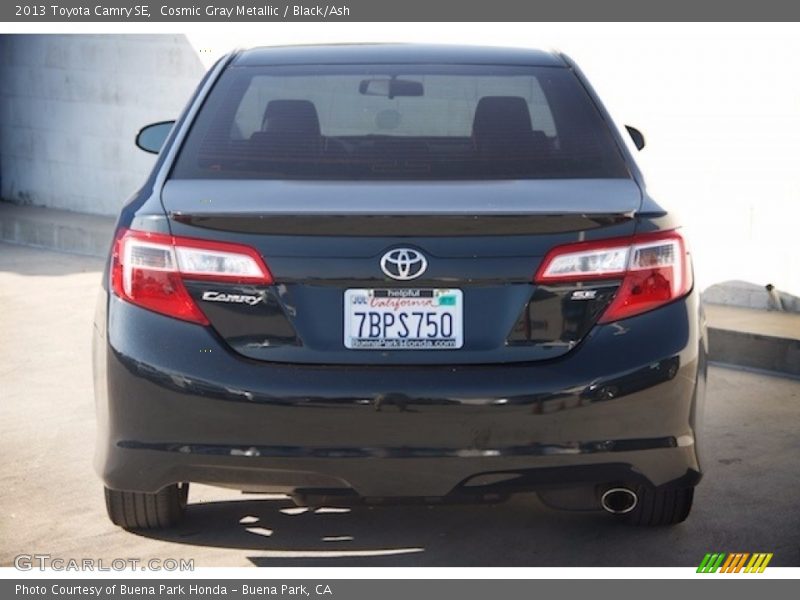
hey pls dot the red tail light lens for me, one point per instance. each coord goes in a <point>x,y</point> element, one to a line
<point>654,269</point>
<point>148,269</point>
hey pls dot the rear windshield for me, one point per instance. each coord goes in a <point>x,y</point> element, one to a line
<point>374,122</point>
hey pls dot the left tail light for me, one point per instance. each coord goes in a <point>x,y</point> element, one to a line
<point>654,270</point>
<point>148,269</point>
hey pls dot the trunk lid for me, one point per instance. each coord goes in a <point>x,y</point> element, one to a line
<point>482,238</point>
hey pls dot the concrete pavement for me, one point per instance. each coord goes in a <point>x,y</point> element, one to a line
<point>51,500</point>
<point>758,322</point>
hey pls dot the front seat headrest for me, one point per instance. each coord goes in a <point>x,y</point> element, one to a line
<point>291,116</point>
<point>501,115</point>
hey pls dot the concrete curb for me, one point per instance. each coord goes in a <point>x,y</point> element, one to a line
<point>755,351</point>
<point>53,229</point>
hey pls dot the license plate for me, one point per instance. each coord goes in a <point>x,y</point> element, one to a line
<point>403,319</point>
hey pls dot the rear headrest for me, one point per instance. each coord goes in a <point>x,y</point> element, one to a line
<point>501,115</point>
<point>291,116</point>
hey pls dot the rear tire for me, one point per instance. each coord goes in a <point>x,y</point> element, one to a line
<point>142,510</point>
<point>661,507</point>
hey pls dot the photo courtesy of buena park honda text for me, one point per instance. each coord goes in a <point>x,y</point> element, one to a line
<point>373,299</point>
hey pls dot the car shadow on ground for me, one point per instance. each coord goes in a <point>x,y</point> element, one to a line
<point>519,532</point>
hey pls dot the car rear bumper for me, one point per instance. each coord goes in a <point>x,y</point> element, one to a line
<point>175,404</point>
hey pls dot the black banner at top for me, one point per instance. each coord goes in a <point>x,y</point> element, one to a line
<point>395,10</point>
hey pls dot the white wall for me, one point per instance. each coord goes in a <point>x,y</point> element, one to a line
<point>70,107</point>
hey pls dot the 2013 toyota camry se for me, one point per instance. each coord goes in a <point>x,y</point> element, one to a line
<point>396,273</point>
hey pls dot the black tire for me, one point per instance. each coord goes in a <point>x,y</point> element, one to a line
<point>140,510</point>
<point>661,507</point>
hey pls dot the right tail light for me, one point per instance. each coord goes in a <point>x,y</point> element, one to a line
<point>654,269</point>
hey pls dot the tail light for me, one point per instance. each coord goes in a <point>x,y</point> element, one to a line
<point>654,269</point>
<point>148,269</point>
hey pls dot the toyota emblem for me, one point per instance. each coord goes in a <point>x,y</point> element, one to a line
<point>403,264</point>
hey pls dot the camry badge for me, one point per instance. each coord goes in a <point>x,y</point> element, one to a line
<point>214,296</point>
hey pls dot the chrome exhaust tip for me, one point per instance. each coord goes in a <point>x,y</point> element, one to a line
<point>619,500</point>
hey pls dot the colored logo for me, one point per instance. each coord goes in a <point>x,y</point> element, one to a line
<point>447,300</point>
<point>737,562</point>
